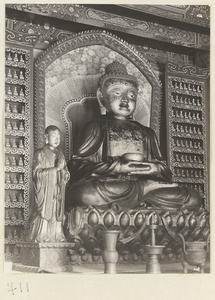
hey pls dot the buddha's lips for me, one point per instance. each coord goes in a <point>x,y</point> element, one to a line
<point>124,105</point>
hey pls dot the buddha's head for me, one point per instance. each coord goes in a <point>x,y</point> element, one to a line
<point>117,90</point>
<point>52,136</point>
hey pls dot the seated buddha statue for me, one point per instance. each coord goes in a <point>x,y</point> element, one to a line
<point>117,160</point>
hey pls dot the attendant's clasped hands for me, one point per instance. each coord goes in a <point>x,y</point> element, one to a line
<point>59,164</point>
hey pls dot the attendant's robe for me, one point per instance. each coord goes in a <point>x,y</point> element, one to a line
<point>49,195</point>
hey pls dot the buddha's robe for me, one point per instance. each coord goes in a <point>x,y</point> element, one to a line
<point>95,177</point>
<point>49,195</point>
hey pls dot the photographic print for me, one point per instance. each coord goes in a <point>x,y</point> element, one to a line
<point>106,140</point>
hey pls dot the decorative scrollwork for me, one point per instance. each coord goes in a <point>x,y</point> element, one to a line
<point>14,151</point>
<point>15,81</point>
<point>21,39</point>
<point>15,64</point>
<point>14,205</point>
<point>14,132</point>
<point>10,186</point>
<point>15,116</point>
<point>188,70</point>
<point>15,98</point>
<point>15,169</point>
<point>14,223</point>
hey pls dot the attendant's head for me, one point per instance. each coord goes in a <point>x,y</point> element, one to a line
<point>52,135</point>
<point>117,90</point>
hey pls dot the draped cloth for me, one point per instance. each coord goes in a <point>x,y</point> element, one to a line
<point>95,179</point>
<point>49,195</point>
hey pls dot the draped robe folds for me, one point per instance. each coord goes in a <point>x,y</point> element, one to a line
<point>49,195</point>
<point>95,177</point>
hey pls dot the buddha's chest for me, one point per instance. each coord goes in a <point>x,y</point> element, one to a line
<point>125,137</point>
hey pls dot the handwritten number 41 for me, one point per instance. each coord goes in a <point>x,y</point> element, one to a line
<point>21,288</point>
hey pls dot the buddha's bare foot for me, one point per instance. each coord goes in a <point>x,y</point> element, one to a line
<point>60,238</point>
<point>44,239</point>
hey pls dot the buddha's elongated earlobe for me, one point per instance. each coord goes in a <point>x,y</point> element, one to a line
<point>100,95</point>
<point>46,138</point>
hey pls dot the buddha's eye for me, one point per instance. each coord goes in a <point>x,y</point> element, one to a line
<point>116,92</point>
<point>132,95</point>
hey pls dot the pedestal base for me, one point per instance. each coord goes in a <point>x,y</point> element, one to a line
<point>45,257</point>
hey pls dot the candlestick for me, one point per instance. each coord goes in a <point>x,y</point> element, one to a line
<point>152,251</point>
<point>153,231</point>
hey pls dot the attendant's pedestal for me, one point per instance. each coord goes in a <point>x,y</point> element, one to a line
<point>43,257</point>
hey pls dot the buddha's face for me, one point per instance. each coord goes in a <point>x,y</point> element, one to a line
<point>53,138</point>
<point>119,97</point>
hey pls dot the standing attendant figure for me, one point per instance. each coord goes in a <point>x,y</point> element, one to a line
<point>50,176</point>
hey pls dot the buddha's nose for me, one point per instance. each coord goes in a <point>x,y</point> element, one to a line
<point>125,100</point>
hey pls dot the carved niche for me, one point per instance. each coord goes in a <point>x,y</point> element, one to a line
<point>66,81</point>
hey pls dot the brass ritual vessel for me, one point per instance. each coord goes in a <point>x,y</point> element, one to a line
<point>195,254</point>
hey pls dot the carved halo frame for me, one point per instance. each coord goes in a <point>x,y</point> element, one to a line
<point>84,39</point>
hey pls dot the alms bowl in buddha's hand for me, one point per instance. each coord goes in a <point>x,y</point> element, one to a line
<point>126,157</point>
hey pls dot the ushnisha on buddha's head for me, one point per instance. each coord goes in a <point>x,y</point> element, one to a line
<point>117,91</point>
<point>52,136</point>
